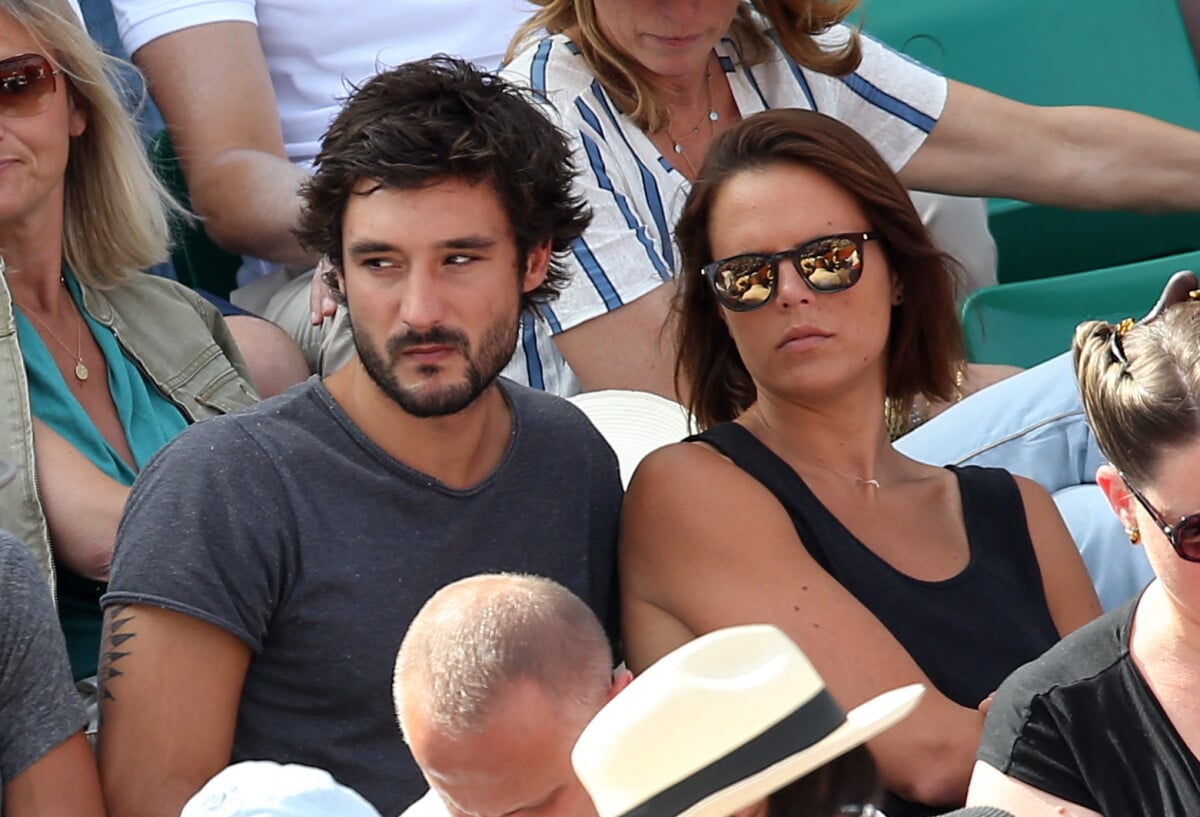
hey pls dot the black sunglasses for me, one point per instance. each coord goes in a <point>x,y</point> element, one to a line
<point>1184,535</point>
<point>831,263</point>
<point>27,85</point>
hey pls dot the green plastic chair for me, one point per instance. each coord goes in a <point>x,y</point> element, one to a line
<point>199,263</point>
<point>1131,54</point>
<point>1027,322</point>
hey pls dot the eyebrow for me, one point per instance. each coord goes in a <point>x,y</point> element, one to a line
<point>369,246</point>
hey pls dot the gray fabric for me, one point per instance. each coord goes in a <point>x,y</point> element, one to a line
<point>287,527</point>
<point>38,705</point>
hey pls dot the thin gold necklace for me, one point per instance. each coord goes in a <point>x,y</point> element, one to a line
<point>711,116</point>
<point>81,369</point>
<point>860,481</point>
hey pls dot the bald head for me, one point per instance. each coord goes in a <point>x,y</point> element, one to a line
<point>475,639</point>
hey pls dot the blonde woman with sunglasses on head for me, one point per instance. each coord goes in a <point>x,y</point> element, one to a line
<point>812,293</point>
<point>100,365</point>
<point>1106,723</point>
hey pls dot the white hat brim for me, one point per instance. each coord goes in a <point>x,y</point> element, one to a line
<point>862,723</point>
<point>7,472</point>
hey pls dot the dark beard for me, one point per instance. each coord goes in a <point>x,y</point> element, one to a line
<point>496,347</point>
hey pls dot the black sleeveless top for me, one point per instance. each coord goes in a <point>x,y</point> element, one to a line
<point>968,632</point>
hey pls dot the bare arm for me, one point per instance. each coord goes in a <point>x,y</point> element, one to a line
<point>1079,157</point>
<point>82,504</point>
<point>1069,591</point>
<point>170,686</point>
<point>704,545</point>
<point>212,86</point>
<point>991,787</point>
<point>632,347</point>
<point>63,781</point>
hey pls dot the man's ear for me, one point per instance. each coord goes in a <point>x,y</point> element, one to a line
<point>621,679</point>
<point>537,264</point>
<point>1117,494</point>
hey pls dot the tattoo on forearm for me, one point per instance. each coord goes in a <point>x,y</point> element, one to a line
<point>113,647</point>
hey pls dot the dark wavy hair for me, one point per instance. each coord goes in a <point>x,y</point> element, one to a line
<point>443,118</point>
<point>849,779</point>
<point>924,343</point>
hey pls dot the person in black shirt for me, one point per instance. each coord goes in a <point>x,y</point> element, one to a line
<point>1106,722</point>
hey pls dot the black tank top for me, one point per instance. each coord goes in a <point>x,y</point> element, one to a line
<point>968,632</point>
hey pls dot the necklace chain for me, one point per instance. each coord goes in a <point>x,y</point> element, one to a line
<point>81,369</point>
<point>710,115</point>
<point>860,481</point>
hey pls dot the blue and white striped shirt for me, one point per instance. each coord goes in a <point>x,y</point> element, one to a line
<point>637,196</point>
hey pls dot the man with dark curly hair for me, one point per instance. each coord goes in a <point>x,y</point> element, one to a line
<point>269,563</point>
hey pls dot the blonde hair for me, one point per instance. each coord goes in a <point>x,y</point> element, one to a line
<point>795,23</point>
<point>1140,386</point>
<point>116,212</point>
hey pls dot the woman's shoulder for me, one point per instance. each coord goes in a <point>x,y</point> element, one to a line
<point>1079,664</point>
<point>554,66</point>
<point>147,289</point>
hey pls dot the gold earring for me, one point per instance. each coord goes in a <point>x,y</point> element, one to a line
<point>1134,535</point>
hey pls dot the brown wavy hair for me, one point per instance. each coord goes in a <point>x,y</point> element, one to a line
<point>924,342</point>
<point>1141,389</point>
<point>443,118</point>
<point>795,23</point>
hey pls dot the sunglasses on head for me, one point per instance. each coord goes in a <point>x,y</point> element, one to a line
<point>831,263</point>
<point>1184,535</point>
<point>27,84</point>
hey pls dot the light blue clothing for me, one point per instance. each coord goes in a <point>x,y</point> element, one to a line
<point>150,420</point>
<point>1033,424</point>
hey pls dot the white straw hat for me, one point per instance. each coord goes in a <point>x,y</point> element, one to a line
<point>262,788</point>
<point>634,423</point>
<point>719,724</point>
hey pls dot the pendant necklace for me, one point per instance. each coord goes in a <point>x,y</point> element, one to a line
<point>711,116</point>
<point>81,369</point>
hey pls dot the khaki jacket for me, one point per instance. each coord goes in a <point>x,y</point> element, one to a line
<point>176,337</point>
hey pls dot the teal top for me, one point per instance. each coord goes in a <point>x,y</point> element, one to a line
<point>149,421</point>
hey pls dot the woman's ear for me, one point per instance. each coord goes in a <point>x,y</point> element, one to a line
<point>77,113</point>
<point>1117,493</point>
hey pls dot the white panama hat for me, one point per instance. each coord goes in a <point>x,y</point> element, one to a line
<point>634,423</point>
<point>262,788</point>
<point>719,724</point>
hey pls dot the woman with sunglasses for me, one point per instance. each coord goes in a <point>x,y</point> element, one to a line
<point>814,294</point>
<point>1106,723</point>
<point>100,365</point>
<point>644,86</point>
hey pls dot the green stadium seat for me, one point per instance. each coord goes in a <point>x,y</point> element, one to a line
<point>1027,322</point>
<point>1131,54</point>
<point>199,263</point>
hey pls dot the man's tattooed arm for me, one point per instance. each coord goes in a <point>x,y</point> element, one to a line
<point>114,645</point>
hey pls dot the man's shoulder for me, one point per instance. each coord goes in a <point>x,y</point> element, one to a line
<point>276,421</point>
<point>141,21</point>
<point>547,412</point>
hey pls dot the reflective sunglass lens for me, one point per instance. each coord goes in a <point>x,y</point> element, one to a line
<point>744,282</point>
<point>26,85</point>
<point>831,263</point>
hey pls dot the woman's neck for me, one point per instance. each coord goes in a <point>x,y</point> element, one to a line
<point>33,260</point>
<point>1165,646</point>
<point>846,435</point>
